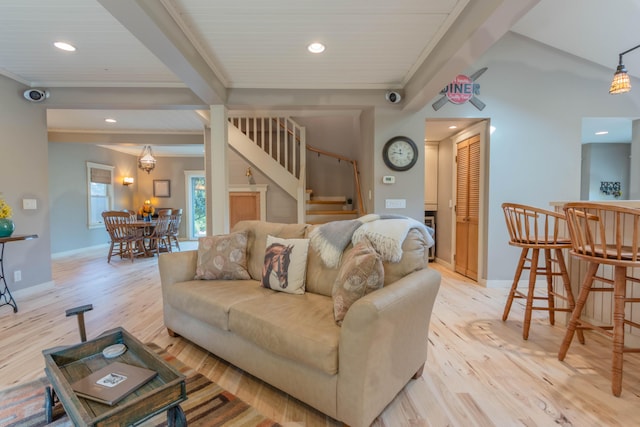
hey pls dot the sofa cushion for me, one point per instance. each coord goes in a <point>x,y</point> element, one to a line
<point>298,327</point>
<point>223,257</point>
<point>210,300</point>
<point>285,264</point>
<point>320,278</point>
<point>415,256</point>
<point>257,240</point>
<point>361,272</point>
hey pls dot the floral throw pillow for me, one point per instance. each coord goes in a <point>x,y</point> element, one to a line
<point>285,264</point>
<point>360,273</point>
<point>222,257</point>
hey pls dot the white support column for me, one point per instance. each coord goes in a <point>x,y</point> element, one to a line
<point>216,172</point>
<point>634,163</point>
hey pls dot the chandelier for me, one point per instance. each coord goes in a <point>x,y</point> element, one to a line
<point>146,161</point>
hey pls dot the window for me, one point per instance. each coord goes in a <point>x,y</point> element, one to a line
<point>99,192</point>
<point>196,214</point>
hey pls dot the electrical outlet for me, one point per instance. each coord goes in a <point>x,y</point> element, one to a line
<point>29,204</point>
<point>17,275</point>
<point>395,203</point>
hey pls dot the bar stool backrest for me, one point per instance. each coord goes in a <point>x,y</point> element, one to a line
<point>529,226</point>
<point>610,234</point>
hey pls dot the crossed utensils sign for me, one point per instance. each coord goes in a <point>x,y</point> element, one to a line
<point>461,90</point>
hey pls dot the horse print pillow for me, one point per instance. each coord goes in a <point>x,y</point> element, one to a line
<point>222,257</point>
<point>285,264</point>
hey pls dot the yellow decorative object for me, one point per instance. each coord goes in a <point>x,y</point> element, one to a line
<point>5,209</point>
<point>147,209</point>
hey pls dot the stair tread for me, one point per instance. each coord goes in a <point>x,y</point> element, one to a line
<point>325,202</point>
<point>336,212</point>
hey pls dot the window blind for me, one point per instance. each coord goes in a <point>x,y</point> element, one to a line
<point>100,176</point>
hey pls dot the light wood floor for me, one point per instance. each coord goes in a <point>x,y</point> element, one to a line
<point>479,370</point>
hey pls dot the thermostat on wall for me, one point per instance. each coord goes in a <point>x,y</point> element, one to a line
<point>388,179</point>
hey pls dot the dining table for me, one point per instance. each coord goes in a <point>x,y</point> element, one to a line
<point>146,228</point>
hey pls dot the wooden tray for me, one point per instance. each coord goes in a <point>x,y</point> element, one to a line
<point>65,365</point>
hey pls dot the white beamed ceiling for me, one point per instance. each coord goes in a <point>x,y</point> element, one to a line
<point>107,55</point>
<point>370,43</point>
<point>253,47</point>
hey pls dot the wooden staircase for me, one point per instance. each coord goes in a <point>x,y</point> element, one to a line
<point>321,209</point>
<point>277,146</point>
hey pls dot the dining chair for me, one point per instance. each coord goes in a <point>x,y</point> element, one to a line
<point>174,228</point>
<point>159,237</point>
<point>607,237</point>
<point>533,229</point>
<point>133,214</point>
<point>124,239</point>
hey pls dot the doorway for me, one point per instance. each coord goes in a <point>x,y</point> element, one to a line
<point>196,212</point>
<point>453,244</point>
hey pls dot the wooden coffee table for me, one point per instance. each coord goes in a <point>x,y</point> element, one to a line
<point>65,365</point>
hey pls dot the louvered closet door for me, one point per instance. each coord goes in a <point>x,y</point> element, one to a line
<point>467,206</point>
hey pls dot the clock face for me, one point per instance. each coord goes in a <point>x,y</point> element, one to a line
<point>400,153</point>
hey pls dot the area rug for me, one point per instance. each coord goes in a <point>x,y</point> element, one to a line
<point>207,404</point>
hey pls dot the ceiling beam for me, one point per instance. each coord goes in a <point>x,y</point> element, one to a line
<point>123,99</point>
<point>155,139</point>
<point>478,27</point>
<point>150,22</point>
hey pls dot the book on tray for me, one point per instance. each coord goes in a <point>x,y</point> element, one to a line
<point>112,383</point>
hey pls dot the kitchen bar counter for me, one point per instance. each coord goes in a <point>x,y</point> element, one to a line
<point>599,306</point>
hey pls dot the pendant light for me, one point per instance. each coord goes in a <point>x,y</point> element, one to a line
<point>146,161</point>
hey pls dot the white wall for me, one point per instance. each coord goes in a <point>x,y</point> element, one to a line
<point>536,98</point>
<point>604,162</point>
<point>68,192</point>
<point>409,185</point>
<point>337,134</point>
<point>24,174</point>
<point>281,207</point>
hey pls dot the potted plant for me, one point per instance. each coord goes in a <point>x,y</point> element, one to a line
<point>348,206</point>
<point>6,223</point>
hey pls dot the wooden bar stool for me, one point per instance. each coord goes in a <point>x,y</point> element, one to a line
<point>609,235</point>
<point>534,229</point>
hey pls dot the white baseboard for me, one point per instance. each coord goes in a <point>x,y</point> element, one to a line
<point>445,264</point>
<point>28,291</point>
<point>78,251</point>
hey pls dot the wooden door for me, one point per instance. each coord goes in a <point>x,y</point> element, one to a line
<point>243,206</point>
<point>467,206</point>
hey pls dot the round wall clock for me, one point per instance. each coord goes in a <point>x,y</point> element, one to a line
<point>400,153</point>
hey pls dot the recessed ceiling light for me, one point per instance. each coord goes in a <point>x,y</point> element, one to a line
<point>64,46</point>
<point>110,120</point>
<point>602,132</point>
<point>316,47</point>
<point>453,127</point>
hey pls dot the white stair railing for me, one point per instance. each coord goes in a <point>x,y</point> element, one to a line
<point>283,140</point>
<point>280,137</point>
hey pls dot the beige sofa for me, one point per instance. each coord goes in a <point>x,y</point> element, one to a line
<point>349,372</point>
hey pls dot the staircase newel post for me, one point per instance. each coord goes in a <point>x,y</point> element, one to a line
<point>302,179</point>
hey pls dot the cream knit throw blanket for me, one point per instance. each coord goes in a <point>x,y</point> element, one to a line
<point>386,233</point>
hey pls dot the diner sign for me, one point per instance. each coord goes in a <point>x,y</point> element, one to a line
<point>460,90</point>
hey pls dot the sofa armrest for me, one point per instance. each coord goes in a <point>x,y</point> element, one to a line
<point>177,267</point>
<point>383,343</point>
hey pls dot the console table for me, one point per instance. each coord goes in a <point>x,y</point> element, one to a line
<point>5,295</point>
